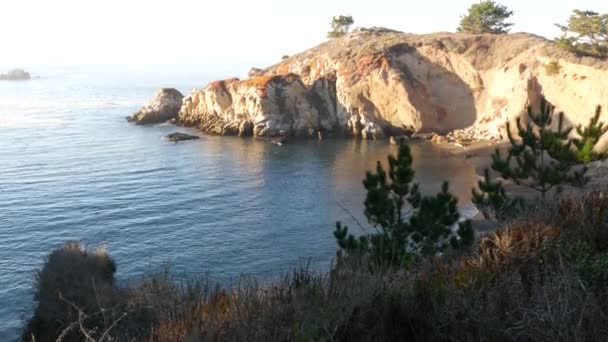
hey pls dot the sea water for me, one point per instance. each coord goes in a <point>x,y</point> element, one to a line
<point>72,168</point>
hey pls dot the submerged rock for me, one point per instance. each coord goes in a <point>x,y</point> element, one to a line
<point>177,137</point>
<point>273,140</point>
<point>163,107</point>
<point>16,75</point>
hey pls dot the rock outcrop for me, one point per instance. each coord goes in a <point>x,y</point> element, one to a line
<point>16,75</point>
<point>163,107</point>
<point>377,83</point>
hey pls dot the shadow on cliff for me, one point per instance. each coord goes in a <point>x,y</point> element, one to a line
<point>444,100</point>
<point>535,94</point>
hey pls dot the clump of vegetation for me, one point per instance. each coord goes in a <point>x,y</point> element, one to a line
<point>586,32</point>
<point>588,138</point>
<point>408,224</point>
<point>340,25</point>
<point>486,17</point>
<point>542,158</point>
<point>73,281</point>
<point>538,279</point>
<point>492,200</point>
<point>552,68</point>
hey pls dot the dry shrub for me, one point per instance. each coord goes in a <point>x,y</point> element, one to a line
<point>71,276</point>
<point>551,305</point>
<point>516,242</point>
<point>585,218</point>
<point>304,304</point>
<point>526,282</point>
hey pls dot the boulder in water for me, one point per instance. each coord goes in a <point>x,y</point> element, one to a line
<point>177,137</point>
<point>163,107</point>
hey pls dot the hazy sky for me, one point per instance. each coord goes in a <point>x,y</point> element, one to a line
<point>225,31</point>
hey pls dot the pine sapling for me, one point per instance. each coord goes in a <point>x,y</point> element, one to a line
<point>408,225</point>
<point>588,138</point>
<point>542,158</point>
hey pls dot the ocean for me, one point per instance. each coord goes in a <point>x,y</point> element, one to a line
<point>72,168</point>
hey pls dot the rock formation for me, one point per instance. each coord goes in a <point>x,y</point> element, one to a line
<point>16,75</point>
<point>163,107</point>
<point>376,83</point>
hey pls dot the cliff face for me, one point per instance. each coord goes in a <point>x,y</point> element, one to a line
<point>377,82</point>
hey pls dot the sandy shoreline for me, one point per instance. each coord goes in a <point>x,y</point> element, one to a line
<point>479,153</point>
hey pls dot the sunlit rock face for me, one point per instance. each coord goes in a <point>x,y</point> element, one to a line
<point>376,83</point>
<point>163,107</point>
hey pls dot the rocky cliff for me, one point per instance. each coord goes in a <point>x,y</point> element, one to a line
<point>378,82</point>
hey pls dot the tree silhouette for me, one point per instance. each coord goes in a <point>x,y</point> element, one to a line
<point>340,26</point>
<point>486,17</point>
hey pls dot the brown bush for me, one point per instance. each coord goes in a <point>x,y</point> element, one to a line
<point>72,276</point>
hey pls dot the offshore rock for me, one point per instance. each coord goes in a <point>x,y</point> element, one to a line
<point>177,137</point>
<point>16,75</point>
<point>163,107</point>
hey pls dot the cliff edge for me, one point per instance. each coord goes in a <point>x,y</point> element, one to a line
<point>378,82</point>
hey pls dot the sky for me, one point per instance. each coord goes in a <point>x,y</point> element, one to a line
<point>225,32</point>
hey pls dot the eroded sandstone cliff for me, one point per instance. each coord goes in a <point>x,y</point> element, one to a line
<point>378,82</point>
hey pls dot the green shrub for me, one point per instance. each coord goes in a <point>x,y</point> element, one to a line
<point>553,68</point>
<point>340,25</point>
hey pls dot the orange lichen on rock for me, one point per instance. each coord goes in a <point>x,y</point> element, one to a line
<point>364,66</point>
<point>222,84</point>
<point>260,82</point>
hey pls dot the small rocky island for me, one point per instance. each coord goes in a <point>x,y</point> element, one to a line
<point>376,83</point>
<point>16,75</point>
<point>163,107</point>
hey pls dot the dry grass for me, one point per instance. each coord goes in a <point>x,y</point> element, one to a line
<point>527,282</point>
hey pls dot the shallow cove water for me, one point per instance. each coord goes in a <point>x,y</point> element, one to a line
<point>72,168</point>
